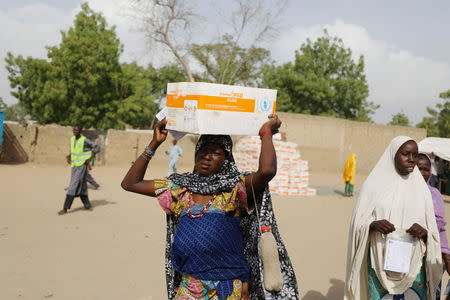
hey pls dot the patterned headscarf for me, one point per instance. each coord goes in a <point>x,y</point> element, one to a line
<point>222,181</point>
<point>225,180</point>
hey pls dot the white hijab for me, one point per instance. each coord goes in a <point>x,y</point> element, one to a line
<point>403,201</point>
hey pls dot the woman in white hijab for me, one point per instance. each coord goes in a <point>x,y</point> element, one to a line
<point>394,204</point>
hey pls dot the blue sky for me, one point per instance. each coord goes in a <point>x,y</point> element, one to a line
<point>405,43</point>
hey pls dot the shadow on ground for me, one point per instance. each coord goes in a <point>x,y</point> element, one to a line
<point>339,192</point>
<point>94,203</point>
<point>325,190</point>
<point>336,291</point>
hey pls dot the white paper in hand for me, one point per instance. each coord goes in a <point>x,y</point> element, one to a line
<point>397,257</point>
<point>162,114</point>
<point>176,134</point>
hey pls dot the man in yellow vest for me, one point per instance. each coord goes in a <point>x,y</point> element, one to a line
<point>82,150</point>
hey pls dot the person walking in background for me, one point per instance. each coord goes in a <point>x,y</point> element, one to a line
<point>89,177</point>
<point>424,165</point>
<point>174,153</point>
<point>440,172</point>
<point>349,174</point>
<point>447,186</point>
<point>433,177</point>
<point>82,150</point>
<point>394,205</point>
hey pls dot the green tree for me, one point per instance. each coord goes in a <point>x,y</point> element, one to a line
<point>323,80</point>
<point>443,122</point>
<point>429,123</point>
<point>80,83</point>
<point>143,85</point>
<point>438,123</point>
<point>400,119</point>
<point>137,107</point>
<point>13,112</point>
<point>160,77</point>
<point>227,63</point>
<point>445,95</point>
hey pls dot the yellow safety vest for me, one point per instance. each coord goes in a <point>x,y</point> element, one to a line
<point>77,156</point>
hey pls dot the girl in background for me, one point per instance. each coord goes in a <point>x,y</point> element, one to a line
<point>424,165</point>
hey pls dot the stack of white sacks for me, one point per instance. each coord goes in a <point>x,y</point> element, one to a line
<point>292,172</point>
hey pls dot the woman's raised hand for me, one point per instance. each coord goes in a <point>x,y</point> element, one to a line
<point>159,133</point>
<point>273,124</point>
<point>383,226</point>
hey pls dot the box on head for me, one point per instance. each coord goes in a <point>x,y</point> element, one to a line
<point>208,108</point>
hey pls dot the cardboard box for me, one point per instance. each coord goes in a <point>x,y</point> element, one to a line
<point>207,108</point>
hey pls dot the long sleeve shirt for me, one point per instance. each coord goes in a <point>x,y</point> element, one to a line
<point>91,146</point>
<point>439,212</point>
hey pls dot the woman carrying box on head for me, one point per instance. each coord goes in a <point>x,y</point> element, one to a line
<point>394,208</point>
<point>212,234</point>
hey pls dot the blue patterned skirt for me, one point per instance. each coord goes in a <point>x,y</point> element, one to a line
<point>210,248</point>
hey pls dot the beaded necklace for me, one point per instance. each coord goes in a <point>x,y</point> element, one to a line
<point>203,211</point>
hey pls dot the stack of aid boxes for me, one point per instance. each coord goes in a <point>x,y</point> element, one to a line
<point>292,172</point>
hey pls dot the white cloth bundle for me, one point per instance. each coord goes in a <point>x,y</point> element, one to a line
<point>268,249</point>
<point>273,281</point>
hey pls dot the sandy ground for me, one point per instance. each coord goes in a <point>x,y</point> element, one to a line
<point>116,251</point>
